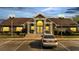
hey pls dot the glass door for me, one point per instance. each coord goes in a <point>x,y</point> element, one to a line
<point>39,26</point>
<point>40,30</point>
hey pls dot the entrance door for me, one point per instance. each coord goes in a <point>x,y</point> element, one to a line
<point>40,30</point>
<point>39,26</point>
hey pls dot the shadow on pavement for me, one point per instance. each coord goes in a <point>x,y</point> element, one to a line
<point>36,44</point>
<point>74,48</point>
<point>49,47</point>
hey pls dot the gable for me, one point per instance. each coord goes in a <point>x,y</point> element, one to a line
<point>39,16</point>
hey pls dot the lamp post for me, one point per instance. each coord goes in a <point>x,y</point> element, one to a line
<point>12,16</point>
<point>61,16</point>
<point>61,30</point>
<point>12,27</point>
<point>61,26</point>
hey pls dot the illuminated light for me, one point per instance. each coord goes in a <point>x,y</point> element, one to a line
<point>39,23</point>
<point>6,29</point>
<point>47,28</point>
<point>39,29</point>
<point>32,27</point>
<point>19,28</point>
<point>73,29</point>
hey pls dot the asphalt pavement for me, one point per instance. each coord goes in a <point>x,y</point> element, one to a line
<point>35,45</point>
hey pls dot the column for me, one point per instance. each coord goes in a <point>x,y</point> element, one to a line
<point>34,26</point>
<point>28,27</point>
<point>44,30</point>
<point>51,27</point>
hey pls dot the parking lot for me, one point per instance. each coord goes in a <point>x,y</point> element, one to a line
<point>35,45</point>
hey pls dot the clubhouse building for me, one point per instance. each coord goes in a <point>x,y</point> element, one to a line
<point>39,24</point>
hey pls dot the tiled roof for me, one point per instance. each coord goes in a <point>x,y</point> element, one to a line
<point>63,21</point>
<point>57,21</point>
<point>16,21</point>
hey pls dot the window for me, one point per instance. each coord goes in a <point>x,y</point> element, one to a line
<point>47,28</point>
<point>39,23</point>
<point>6,29</point>
<point>73,29</point>
<point>19,28</point>
<point>49,36</point>
<point>31,28</point>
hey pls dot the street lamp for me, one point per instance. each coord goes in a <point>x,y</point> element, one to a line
<point>61,16</point>
<point>61,29</point>
<point>12,26</point>
<point>12,18</point>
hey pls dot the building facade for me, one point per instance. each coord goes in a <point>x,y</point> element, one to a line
<point>36,25</point>
<point>39,24</point>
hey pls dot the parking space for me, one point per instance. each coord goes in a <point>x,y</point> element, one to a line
<point>30,46</point>
<point>9,45</point>
<point>23,45</point>
<point>35,45</point>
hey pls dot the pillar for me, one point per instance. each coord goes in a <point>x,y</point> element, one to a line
<point>28,27</point>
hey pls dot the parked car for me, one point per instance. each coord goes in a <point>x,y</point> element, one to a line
<point>49,40</point>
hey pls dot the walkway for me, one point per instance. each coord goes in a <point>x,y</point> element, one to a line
<point>27,37</point>
<point>33,36</point>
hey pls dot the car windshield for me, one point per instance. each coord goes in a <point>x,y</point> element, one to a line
<point>48,36</point>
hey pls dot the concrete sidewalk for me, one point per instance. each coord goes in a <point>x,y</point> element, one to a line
<point>38,37</point>
<point>67,38</point>
<point>27,37</point>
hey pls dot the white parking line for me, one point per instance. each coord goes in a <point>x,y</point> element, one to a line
<point>5,42</point>
<point>20,45</point>
<point>64,46</point>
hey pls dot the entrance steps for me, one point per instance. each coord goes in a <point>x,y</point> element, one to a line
<point>33,36</point>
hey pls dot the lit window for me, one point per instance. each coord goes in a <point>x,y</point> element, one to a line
<point>39,23</point>
<point>32,27</point>
<point>73,29</point>
<point>6,29</point>
<point>18,28</point>
<point>47,28</point>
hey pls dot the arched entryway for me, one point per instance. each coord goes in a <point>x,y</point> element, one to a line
<point>39,26</point>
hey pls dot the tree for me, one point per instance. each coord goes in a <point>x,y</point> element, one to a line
<point>76,18</point>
